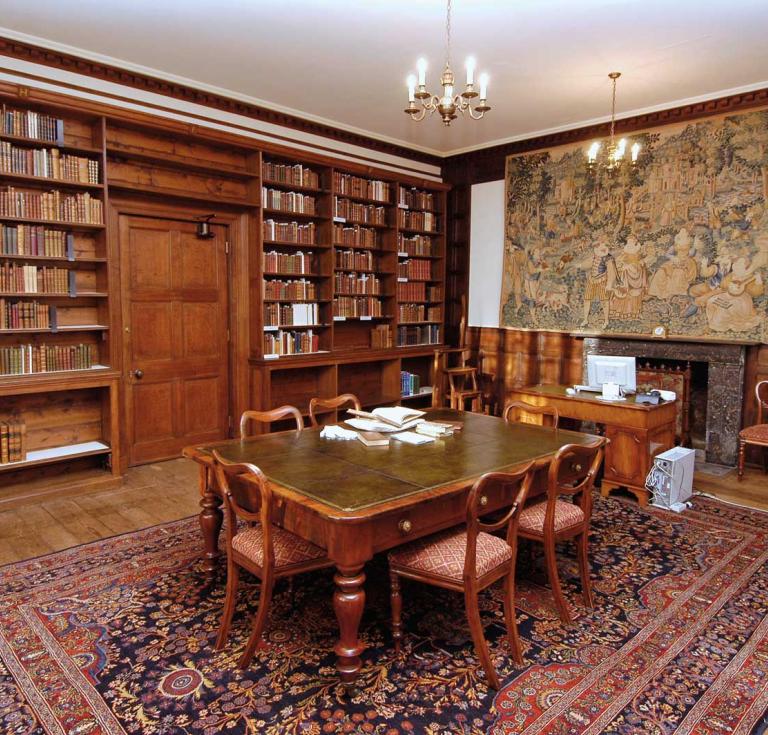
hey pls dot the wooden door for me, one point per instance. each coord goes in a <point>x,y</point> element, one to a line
<point>175,321</point>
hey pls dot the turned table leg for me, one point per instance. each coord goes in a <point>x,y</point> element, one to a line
<point>348,603</point>
<point>211,519</point>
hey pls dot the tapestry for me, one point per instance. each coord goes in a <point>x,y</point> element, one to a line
<point>678,241</point>
<point>117,637</point>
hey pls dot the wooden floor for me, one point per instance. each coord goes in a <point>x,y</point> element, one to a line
<point>167,491</point>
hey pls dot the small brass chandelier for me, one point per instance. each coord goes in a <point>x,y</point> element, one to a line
<point>448,105</point>
<point>614,156</point>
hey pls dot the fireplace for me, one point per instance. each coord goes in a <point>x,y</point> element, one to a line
<point>724,385</point>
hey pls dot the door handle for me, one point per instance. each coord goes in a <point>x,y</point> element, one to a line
<point>138,374</point>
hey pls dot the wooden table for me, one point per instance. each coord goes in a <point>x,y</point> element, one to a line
<point>356,501</point>
<point>637,432</point>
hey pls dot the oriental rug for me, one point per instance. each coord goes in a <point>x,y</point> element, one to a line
<point>117,637</point>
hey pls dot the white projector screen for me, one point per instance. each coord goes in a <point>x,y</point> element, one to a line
<point>486,253</point>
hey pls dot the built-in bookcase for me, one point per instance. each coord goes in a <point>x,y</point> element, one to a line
<point>55,349</point>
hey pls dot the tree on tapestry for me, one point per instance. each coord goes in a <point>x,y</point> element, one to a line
<point>680,241</point>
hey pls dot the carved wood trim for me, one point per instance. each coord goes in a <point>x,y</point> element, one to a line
<point>98,70</point>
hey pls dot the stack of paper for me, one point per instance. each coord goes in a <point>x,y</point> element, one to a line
<point>411,437</point>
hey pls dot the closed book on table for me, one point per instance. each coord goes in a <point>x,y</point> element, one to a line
<point>373,439</point>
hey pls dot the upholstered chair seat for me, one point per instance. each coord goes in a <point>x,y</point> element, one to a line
<point>756,433</point>
<point>289,548</point>
<point>566,515</point>
<point>443,554</point>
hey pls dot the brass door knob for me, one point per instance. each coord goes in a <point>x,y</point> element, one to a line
<point>405,526</point>
<point>138,374</point>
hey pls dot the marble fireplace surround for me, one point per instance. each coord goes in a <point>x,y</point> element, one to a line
<point>725,382</point>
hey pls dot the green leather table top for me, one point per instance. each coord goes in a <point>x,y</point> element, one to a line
<point>349,476</point>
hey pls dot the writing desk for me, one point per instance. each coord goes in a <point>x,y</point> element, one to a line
<point>355,501</point>
<point>637,431</point>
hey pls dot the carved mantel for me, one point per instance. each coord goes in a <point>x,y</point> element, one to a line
<point>725,383</point>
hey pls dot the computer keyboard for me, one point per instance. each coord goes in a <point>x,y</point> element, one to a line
<point>589,388</point>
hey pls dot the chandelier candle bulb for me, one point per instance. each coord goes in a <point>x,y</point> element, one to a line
<point>470,64</point>
<point>483,86</point>
<point>411,88</point>
<point>421,65</point>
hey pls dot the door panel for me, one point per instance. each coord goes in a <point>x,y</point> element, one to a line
<point>175,342</point>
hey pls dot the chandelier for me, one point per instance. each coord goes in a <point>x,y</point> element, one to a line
<point>447,104</point>
<point>613,157</point>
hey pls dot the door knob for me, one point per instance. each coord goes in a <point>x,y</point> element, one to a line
<point>138,374</point>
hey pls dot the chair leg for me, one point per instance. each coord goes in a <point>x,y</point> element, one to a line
<point>476,629</point>
<point>742,447</point>
<point>582,546</point>
<point>230,601</point>
<point>258,624</point>
<point>396,601</point>
<point>510,619</point>
<point>765,460</point>
<point>554,582</point>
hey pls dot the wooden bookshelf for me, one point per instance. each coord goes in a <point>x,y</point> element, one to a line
<point>68,406</point>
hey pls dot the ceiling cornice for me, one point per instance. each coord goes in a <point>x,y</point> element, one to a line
<point>70,62</point>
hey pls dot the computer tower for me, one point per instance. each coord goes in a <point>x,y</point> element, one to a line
<point>671,478</point>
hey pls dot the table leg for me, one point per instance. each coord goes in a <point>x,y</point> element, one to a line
<point>211,519</point>
<point>348,603</point>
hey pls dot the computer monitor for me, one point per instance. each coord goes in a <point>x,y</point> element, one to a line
<point>611,369</point>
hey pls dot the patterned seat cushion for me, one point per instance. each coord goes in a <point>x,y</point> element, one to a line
<point>289,548</point>
<point>756,433</point>
<point>566,515</point>
<point>443,554</point>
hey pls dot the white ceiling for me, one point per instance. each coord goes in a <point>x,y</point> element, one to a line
<point>345,62</point>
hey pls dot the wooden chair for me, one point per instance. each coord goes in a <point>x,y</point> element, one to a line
<point>332,403</point>
<point>261,548</point>
<point>266,417</point>
<point>572,472</point>
<point>464,387</point>
<point>757,434</point>
<point>514,411</point>
<point>470,559</point>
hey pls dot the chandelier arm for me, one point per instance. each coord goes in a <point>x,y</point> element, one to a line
<point>421,115</point>
<point>473,114</point>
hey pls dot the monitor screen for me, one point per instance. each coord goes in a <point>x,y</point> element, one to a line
<point>611,369</point>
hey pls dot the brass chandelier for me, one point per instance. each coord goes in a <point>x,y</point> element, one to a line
<point>614,156</point>
<point>447,104</point>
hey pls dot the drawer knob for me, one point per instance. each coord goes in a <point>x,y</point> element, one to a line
<point>577,467</point>
<point>483,500</point>
<point>405,526</point>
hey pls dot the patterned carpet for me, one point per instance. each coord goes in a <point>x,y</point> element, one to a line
<point>116,637</point>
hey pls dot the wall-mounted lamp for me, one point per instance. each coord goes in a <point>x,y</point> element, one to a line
<point>204,231</point>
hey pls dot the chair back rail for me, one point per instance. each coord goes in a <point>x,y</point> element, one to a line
<point>514,409</point>
<point>761,394</point>
<point>331,403</point>
<point>267,417</point>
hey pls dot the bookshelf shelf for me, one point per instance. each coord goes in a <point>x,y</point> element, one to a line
<point>289,244</point>
<point>59,330</point>
<point>415,231</point>
<point>287,214</point>
<point>360,223</point>
<point>293,187</point>
<point>40,457</point>
<point>58,259</point>
<point>55,223</point>
<point>41,142</point>
<point>365,200</point>
<point>275,328</point>
<point>38,181</point>
<point>293,274</point>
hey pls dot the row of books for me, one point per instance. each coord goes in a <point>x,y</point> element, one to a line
<point>426,221</point>
<point>381,337</point>
<point>291,315</point>
<point>294,289</point>
<point>415,268</point>
<point>30,124</point>
<point>354,259</point>
<point>27,315</point>
<point>412,291</point>
<point>291,343</point>
<point>357,306</point>
<point>415,244</point>
<point>13,440</point>
<point>299,263</point>
<point>362,237</point>
<point>288,201</point>
<point>416,199</point>
<point>51,205</point>
<point>35,279</point>
<point>290,232</point>
<point>28,359</point>
<point>417,313</point>
<point>410,383</point>
<point>427,334</point>
<point>355,186</point>
<point>36,240</point>
<point>47,163</point>
<point>352,283</point>
<point>347,209</point>
<point>295,174</point>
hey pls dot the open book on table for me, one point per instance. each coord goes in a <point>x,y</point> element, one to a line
<point>388,418</point>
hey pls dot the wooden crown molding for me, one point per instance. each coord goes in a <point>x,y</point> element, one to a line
<point>98,70</point>
<point>487,164</point>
